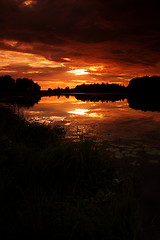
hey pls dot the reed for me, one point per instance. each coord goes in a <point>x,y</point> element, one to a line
<point>59,189</point>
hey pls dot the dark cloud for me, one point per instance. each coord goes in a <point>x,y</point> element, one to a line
<point>126,32</point>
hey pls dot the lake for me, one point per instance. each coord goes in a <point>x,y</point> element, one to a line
<point>124,130</point>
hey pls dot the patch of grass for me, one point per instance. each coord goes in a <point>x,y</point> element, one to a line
<point>57,189</point>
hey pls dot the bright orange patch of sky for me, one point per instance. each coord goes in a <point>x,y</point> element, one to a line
<point>52,74</point>
<point>28,2</point>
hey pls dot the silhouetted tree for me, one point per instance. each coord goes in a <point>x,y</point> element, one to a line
<point>144,93</point>
<point>67,89</point>
<point>57,91</point>
<point>144,85</point>
<point>7,83</point>
<point>26,85</point>
<point>49,89</point>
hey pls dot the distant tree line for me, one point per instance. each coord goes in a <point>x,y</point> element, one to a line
<point>89,88</point>
<point>100,88</point>
<point>9,84</point>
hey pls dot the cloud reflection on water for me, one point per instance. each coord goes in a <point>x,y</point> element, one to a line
<point>111,121</point>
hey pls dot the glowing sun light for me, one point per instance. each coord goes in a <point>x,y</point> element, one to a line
<point>79,71</point>
<point>79,111</point>
<point>96,68</point>
<point>28,2</point>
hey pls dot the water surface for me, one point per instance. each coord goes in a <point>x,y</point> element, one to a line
<point>112,122</point>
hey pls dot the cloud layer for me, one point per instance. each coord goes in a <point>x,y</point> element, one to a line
<point>122,36</point>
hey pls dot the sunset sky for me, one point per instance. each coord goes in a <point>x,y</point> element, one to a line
<point>60,43</point>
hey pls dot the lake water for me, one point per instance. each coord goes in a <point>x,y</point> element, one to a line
<point>114,123</point>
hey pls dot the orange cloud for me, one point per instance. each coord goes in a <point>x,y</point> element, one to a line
<point>65,43</point>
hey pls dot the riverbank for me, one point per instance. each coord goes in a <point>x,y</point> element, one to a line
<point>60,189</point>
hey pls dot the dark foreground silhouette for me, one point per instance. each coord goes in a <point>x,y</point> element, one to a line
<point>57,189</point>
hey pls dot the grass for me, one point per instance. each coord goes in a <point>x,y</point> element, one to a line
<point>57,189</point>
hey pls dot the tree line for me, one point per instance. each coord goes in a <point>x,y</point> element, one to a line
<point>90,88</point>
<point>9,84</point>
<point>141,85</point>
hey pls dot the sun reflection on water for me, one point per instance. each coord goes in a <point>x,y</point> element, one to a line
<point>79,111</point>
<point>113,122</point>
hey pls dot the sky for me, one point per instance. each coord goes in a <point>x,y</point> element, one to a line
<point>60,43</point>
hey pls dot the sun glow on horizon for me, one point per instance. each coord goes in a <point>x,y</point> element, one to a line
<point>79,71</point>
<point>96,68</point>
<point>79,111</point>
<point>66,59</point>
<point>28,2</point>
<point>84,112</point>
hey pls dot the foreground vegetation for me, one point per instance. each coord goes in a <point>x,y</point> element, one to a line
<point>57,189</point>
